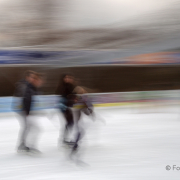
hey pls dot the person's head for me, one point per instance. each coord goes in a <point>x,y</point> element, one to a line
<point>29,76</point>
<point>65,79</point>
<point>79,90</point>
<point>68,78</point>
<point>38,80</point>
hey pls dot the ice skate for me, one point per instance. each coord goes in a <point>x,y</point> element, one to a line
<point>22,149</point>
<point>34,151</point>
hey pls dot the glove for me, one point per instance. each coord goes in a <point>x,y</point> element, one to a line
<point>90,110</point>
<point>87,111</point>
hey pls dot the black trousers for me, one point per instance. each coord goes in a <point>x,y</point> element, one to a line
<point>80,130</point>
<point>69,122</point>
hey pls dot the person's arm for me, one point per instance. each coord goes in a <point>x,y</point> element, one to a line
<point>27,101</point>
<point>87,104</point>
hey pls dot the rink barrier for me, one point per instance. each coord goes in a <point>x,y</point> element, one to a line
<point>10,104</point>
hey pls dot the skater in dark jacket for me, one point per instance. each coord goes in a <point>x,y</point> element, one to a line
<point>18,99</point>
<point>27,99</point>
<point>65,89</point>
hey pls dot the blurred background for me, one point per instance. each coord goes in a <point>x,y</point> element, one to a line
<point>110,45</point>
<point>127,55</point>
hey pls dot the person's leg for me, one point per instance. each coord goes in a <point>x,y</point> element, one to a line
<point>69,124</point>
<point>79,130</point>
<point>23,132</point>
<point>33,134</point>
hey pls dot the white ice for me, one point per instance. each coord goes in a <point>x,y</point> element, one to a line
<point>131,145</point>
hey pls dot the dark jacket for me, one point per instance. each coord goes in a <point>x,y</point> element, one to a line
<point>18,95</point>
<point>20,88</point>
<point>66,90</point>
<point>27,98</point>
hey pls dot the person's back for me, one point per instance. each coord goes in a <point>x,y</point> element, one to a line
<point>18,95</point>
<point>20,88</point>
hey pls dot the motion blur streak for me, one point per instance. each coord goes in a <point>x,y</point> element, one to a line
<point>89,89</point>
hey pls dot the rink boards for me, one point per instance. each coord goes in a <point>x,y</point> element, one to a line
<point>10,104</point>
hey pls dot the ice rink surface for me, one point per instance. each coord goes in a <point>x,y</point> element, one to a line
<point>129,146</point>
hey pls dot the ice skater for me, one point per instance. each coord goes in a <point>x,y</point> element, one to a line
<point>33,82</point>
<point>86,108</point>
<point>17,106</point>
<point>65,88</point>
